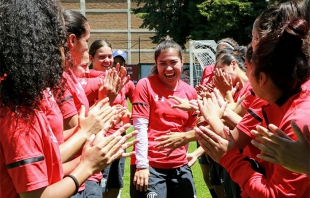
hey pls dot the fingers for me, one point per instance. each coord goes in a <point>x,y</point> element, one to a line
<point>130,135</point>
<point>194,104</point>
<point>175,98</point>
<point>117,66</point>
<point>267,138</point>
<point>209,136</point>
<point>163,137</point>
<point>125,155</point>
<point>277,131</point>
<point>267,153</point>
<point>141,180</point>
<point>122,73</point>
<point>301,136</point>
<point>122,130</point>
<point>101,103</point>
<point>129,144</point>
<point>270,139</point>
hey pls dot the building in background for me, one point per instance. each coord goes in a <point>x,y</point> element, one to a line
<point>113,21</point>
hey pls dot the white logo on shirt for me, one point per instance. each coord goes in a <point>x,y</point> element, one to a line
<point>83,81</point>
<point>151,195</point>
<point>160,98</point>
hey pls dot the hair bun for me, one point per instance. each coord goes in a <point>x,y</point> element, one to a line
<point>166,38</point>
<point>298,27</point>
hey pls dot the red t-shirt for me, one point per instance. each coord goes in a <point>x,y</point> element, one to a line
<point>74,97</point>
<point>53,115</point>
<point>207,75</point>
<point>278,181</point>
<point>151,102</point>
<point>91,88</point>
<point>29,153</point>
<point>94,73</point>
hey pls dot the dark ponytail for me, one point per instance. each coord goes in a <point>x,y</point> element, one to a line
<point>284,55</point>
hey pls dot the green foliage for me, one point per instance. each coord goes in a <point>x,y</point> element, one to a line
<point>167,17</point>
<point>230,18</point>
<point>201,19</point>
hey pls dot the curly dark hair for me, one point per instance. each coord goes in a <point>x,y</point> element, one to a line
<point>32,47</point>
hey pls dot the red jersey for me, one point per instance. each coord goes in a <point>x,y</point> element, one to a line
<point>91,88</point>
<point>29,153</point>
<point>90,85</point>
<point>249,98</point>
<point>53,115</point>
<point>151,102</point>
<point>207,75</point>
<point>94,73</point>
<point>277,181</point>
<point>73,97</point>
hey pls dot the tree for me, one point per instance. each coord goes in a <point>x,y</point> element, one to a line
<point>167,17</point>
<point>201,19</point>
<point>230,18</point>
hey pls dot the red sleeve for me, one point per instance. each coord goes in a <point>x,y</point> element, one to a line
<point>249,98</point>
<point>29,157</point>
<point>91,88</point>
<point>207,75</point>
<point>94,73</point>
<point>253,117</point>
<point>130,90</point>
<point>67,105</point>
<point>280,182</point>
<point>140,104</point>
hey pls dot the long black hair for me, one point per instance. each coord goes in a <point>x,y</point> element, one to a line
<point>32,44</point>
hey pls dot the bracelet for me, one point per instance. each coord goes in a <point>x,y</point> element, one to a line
<point>77,185</point>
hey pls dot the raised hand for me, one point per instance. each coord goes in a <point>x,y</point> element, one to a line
<point>102,151</point>
<point>223,83</point>
<point>183,104</point>
<point>210,107</point>
<point>122,73</point>
<point>99,118</point>
<point>276,147</point>
<point>213,144</point>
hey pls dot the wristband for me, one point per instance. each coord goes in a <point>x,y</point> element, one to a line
<point>77,185</point>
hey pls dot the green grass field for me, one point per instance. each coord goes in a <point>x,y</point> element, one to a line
<point>201,188</point>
